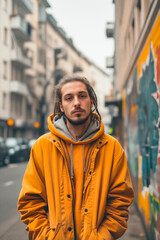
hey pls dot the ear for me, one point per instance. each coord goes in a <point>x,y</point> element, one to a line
<point>61,107</point>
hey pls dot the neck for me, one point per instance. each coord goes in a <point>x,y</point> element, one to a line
<point>77,131</point>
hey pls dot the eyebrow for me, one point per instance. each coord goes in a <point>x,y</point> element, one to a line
<point>68,94</point>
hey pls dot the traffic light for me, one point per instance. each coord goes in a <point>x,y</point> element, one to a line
<point>10,122</point>
<point>36,125</point>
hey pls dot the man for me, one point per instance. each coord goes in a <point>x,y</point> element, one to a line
<point>77,184</point>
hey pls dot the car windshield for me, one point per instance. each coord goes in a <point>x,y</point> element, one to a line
<point>19,140</point>
<point>31,142</point>
<point>11,142</point>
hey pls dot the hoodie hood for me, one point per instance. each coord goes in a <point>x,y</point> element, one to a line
<point>58,127</point>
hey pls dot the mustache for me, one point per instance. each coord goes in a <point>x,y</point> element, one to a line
<point>77,109</point>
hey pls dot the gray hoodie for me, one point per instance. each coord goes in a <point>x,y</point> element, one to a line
<point>93,128</point>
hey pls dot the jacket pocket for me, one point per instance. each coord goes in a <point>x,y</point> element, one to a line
<point>95,236</point>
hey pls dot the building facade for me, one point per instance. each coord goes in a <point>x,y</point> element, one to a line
<point>15,31</point>
<point>35,54</point>
<point>137,76</point>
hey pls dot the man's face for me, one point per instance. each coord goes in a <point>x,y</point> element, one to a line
<point>76,103</point>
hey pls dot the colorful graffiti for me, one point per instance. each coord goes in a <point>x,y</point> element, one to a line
<point>132,130</point>
<point>155,213</point>
<point>141,113</point>
<point>148,116</point>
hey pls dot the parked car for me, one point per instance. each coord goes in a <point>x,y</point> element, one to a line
<point>30,144</point>
<point>4,155</point>
<point>23,143</point>
<point>18,149</point>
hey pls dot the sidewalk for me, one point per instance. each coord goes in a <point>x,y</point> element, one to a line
<point>135,229</point>
<point>16,232</point>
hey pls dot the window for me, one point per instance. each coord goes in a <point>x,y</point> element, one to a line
<point>29,111</point>
<point>16,104</point>
<point>42,57</point>
<point>133,34</point>
<point>4,101</point>
<point>12,103</point>
<point>5,70</point>
<point>137,20</point>
<point>41,32</point>
<point>17,73</point>
<point>12,43</point>
<point>4,4</point>
<point>19,101</point>
<point>41,13</point>
<point>5,36</point>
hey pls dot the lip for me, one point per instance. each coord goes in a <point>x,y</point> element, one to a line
<point>77,111</point>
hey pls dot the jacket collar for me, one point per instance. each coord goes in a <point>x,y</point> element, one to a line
<point>67,139</point>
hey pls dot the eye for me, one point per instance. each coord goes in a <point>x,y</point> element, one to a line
<point>68,98</point>
<point>82,95</point>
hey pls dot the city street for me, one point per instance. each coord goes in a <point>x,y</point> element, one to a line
<point>10,185</point>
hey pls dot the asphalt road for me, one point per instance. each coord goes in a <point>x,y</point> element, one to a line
<point>10,185</point>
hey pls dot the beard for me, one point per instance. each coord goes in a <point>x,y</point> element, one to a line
<point>79,121</point>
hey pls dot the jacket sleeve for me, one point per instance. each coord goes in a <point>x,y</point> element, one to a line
<point>120,197</point>
<point>32,202</point>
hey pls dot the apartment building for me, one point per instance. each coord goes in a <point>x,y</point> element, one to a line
<point>36,53</point>
<point>5,69</point>
<point>98,80</point>
<point>68,59</point>
<point>137,76</point>
<point>15,31</point>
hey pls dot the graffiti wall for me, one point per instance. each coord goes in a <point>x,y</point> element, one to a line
<point>141,125</point>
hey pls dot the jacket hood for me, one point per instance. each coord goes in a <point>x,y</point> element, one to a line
<point>58,127</point>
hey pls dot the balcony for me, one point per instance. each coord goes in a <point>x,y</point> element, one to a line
<point>110,30</point>
<point>60,53</point>
<point>45,3</point>
<point>64,65</point>
<point>42,15</point>
<point>18,87</point>
<point>26,5</point>
<point>110,62</point>
<point>30,72</point>
<point>77,68</point>
<point>21,28</point>
<point>18,56</point>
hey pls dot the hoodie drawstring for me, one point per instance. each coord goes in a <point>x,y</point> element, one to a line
<point>84,167</point>
<point>71,160</point>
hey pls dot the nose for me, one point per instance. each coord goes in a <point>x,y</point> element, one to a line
<point>76,101</point>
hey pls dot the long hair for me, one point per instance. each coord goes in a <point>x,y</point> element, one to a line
<point>72,78</point>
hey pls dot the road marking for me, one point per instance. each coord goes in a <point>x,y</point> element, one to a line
<point>9,183</point>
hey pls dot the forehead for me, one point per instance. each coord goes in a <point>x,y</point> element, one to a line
<point>73,88</point>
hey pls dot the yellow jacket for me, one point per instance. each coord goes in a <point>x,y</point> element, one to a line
<point>46,201</point>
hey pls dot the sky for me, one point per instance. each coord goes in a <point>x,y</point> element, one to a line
<point>85,22</point>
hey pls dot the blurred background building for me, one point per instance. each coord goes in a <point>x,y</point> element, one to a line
<point>35,54</point>
<point>135,102</point>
